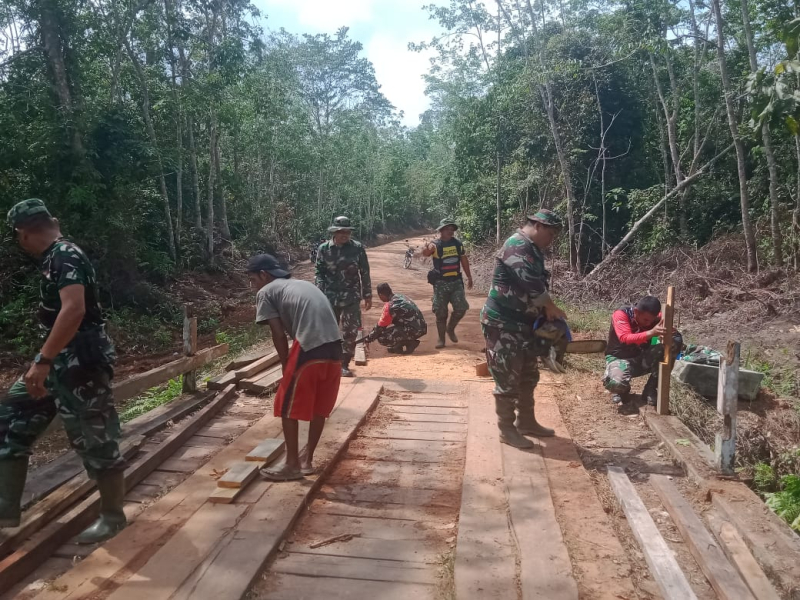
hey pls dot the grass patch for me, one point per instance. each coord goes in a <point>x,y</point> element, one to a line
<point>151,399</point>
<point>587,320</point>
<point>784,380</point>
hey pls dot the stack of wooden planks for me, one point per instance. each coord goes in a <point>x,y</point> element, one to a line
<point>239,474</point>
<point>261,375</point>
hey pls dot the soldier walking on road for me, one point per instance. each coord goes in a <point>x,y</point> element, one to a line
<point>449,258</point>
<point>71,376</point>
<point>342,273</point>
<point>518,297</point>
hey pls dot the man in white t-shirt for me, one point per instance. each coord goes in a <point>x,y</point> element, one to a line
<point>311,370</point>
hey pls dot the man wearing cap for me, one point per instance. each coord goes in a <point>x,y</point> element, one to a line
<point>401,324</point>
<point>342,273</point>
<point>518,297</point>
<point>311,369</point>
<point>449,258</point>
<point>71,376</point>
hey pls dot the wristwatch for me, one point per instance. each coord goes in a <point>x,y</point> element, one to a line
<point>40,359</point>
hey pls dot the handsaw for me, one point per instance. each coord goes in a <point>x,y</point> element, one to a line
<point>586,346</point>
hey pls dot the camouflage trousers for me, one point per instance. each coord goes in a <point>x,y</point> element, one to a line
<point>620,371</point>
<point>83,398</point>
<point>349,318</point>
<point>393,335</point>
<point>449,293</point>
<point>514,367</point>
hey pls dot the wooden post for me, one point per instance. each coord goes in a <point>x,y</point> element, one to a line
<point>727,399</point>
<point>189,349</point>
<point>665,368</point>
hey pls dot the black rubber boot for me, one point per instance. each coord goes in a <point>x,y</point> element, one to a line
<point>409,347</point>
<point>504,407</point>
<point>111,486</point>
<point>527,424</point>
<point>398,349</point>
<point>12,482</point>
<point>441,329</point>
<point>451,326</point>
<point>650,391</point>
<point>346,372</point>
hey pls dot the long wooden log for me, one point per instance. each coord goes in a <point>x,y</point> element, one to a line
<point>144,381</point>
<point>43,543</point>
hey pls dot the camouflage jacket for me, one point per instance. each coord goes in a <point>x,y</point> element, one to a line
<point>406,314</point>
<point>342,272</point>
<point>519,286</point>
<point>65,264</point>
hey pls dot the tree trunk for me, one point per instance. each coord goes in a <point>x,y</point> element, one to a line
<point>178,127</point>
<point>54,51</point>
<point>733,124</point>
<point>211,175</point>
<point>225,230</point>
<point>772,164</point>
<point>151,133</point>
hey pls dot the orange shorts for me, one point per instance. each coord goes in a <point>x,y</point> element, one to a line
<point>310,383</point>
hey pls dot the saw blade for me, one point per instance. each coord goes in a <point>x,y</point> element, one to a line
<point>586,346</point>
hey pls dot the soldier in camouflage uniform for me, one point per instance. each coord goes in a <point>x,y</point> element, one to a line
<point>449,258</point>
<point>342,273</point>
<point>518,296</point>
<point>71,376</point>
<point>401,324</point>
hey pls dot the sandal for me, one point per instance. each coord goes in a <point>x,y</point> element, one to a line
<point>280,474</point>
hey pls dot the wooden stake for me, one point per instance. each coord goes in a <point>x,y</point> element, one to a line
<point>727,398</point>
<point>189,349</point>
<point>665,368</point>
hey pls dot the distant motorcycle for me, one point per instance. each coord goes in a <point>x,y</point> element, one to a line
<point>408,258</point>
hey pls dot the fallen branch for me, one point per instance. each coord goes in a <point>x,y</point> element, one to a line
<point>646,217</point>
<point>345,537</point>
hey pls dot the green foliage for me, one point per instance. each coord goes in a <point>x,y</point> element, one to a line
<point>135,333</point>
<point>786,503</point>
<point>764,478</point>
<point>151,399</point>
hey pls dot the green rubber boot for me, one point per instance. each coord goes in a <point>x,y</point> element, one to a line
<point>12,481</point>
<point>441,329</point>
<point>455,318</point>
<point>112,519</point>
<point>527,424</point>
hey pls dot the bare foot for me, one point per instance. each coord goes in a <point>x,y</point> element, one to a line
<point>283,473</point>
<point>306,466</point>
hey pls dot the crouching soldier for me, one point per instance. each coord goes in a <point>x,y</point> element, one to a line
<point>70,376</point>
<point>634,349</point>
<point>401,323</point>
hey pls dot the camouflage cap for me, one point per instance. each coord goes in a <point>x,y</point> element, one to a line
<point>546,217</point>
<point>446,222</point>
<point>340,224</point>
<point>22,211</point>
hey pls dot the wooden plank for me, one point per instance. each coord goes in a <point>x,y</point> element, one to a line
<point>663,566</point>
<point>398,424</point>
<point>189,349</point>
<point>239,475</point>
<point>380,510</point>
<point>263,383</point>
<point>53,505</point>
<point>322,526</point>
<point>409,434</point>
<point>294,587</point>
<point>427,476</point>
<point>266,451</point>
<point>360,355</point>
<point>413,551</point>
<point>401,409</point>
<point>367,569</point>
<point>224,495</point>
<point>406,450</point>
<point>545,568</point>
<point>727,403</point>
<point>240,362</point>
<point>240,556</point>
<point>175,561</point>
<point>262,364</point>
<point>437,402</point>
<point>720,574</point>
<point>665,367</point>
<point>736,550</point>
<point>358,492</point>
<point>429,418</point>
<point>144,381</point>
<point>41,545</point>
<point>223,381</point>
<point>485,564</point>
